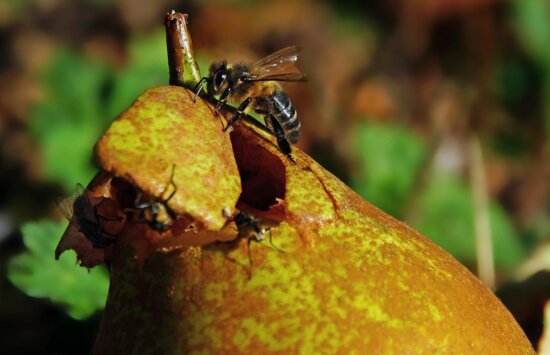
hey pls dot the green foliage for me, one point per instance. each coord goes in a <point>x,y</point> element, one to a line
<point>389,160</point>
<point>38,274</point>
<point>446,216</point>
<point>68,122</point>
<point>531,20</point>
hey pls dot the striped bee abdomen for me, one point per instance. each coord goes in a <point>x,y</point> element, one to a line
<point>286,114</point>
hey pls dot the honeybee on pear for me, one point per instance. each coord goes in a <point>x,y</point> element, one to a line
<point>256,86</point>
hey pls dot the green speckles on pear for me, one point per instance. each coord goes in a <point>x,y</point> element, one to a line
<point>198,329</point>
<point>214,292</point>
<point>436,314</point>
<point>311,204</point>
<point>241,339</point>
<point>336,296</point>
<point>273,336</point>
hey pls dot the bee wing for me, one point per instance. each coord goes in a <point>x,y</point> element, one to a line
<point>65,204</point>
<point>279,66</point>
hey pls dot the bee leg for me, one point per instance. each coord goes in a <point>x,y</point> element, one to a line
<point>283,144</point>
<point>223,99</point>
<point>238,113</point>
<point>199,87</point>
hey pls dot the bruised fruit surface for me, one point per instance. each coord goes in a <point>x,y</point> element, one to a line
<point>350,279</point>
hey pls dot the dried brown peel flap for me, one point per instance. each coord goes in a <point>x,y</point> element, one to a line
<point>164,130</point>
<point>102,198</point>
<point>86,254</point>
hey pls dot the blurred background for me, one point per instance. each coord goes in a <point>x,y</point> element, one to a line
<point>437,112</point>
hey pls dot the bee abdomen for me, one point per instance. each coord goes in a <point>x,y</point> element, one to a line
<point>286,114</point>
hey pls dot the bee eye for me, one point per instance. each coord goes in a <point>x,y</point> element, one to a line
<point>219,78</point>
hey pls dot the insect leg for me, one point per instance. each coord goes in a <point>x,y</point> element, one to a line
<point>199,87</point>
<point>238,113</point>
<point>271,242</point>
<point>283,144</point>
<point>171,182</point>
<point>223,99</point>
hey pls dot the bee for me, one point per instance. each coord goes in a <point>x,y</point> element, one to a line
<point>253,229</point>
<point>256,86</point>
<point>81,210</point>
<point>156,213</point>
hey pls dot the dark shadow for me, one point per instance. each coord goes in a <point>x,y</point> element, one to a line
<point>526,300</point>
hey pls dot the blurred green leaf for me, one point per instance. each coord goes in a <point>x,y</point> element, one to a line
<point>389,161</point>
<point>67,124</point>
<point>148,67</point>
<point>38,274</point>
<point>445,215</point>
<point>531,20</point>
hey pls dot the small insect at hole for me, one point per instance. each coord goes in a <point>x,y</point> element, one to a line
<point>262,174</point>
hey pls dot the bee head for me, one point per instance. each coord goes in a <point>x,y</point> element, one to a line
<point>218,78</point>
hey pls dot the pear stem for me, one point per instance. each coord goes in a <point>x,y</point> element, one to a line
<point>181,61</point>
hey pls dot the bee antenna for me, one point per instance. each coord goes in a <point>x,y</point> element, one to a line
<point>199,87</point>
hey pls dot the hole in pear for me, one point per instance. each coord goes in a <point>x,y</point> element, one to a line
<point>262,173</point>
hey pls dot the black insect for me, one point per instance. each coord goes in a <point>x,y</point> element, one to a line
<point>83,212</point>
<point>253,229</point>
<point>256,86</point>
<point>156,213</point>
